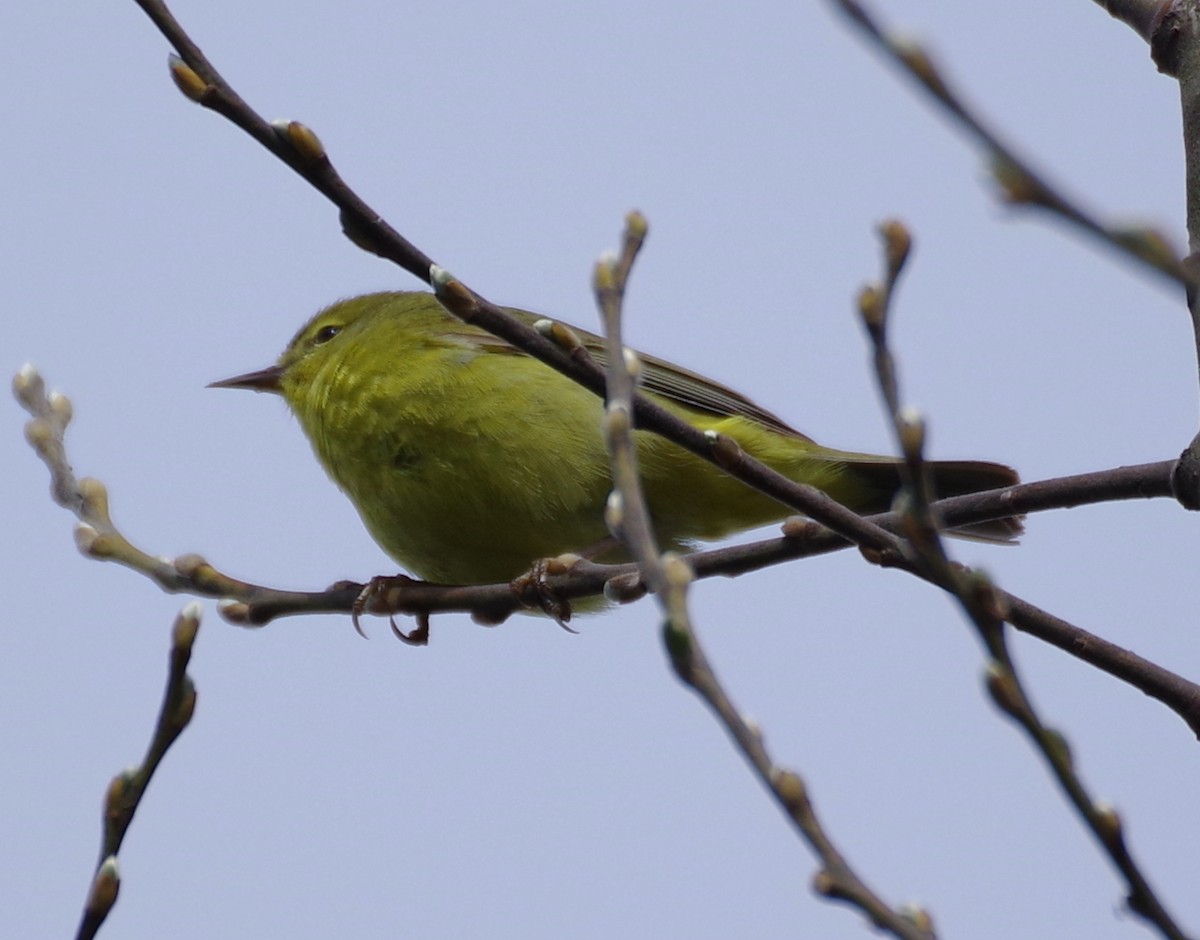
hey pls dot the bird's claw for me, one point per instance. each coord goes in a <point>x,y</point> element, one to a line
<point>419,636</point>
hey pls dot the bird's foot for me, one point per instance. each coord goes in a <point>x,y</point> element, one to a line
<point>382,596</point>
<point>533,590</point>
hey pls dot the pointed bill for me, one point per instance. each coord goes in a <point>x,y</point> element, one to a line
<point>264,380</point>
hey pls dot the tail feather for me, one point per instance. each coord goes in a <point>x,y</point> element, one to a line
<point>950,478</point>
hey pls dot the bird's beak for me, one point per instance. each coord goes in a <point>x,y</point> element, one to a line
<point>264,380</point>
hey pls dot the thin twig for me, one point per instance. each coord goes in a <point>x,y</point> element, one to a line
<point>627,515</point>
<point>1018,180</point>
<point>292,142</point>
<point>983,603</point>
<point>836,880</point>
<point>668,576</point>
<point>127,788</point>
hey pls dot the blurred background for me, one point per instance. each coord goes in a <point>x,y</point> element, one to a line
<point>521,781</point>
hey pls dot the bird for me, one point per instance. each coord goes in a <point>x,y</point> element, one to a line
<point>469,460</point>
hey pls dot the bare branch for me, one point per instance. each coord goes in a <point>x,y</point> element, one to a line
<point>984,604</point>
<point>1018,180</point>
<point>292,142</point>
<point>127,788</point>
<point>1175,46</point>
<point>669,575</point>
<point>627,514</point>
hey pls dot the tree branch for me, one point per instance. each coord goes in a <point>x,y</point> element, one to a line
<point>982,602</point>
<point>1020,183</point>
<point>1142,16</point>
<point>668,576</point>
<point>127,788</point>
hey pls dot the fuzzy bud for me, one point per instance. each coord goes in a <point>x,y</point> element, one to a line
<point>186,79</point>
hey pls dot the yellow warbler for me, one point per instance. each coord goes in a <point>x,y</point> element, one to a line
<point>469,460</point>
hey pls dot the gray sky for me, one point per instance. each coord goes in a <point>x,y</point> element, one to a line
<point>521,781</point>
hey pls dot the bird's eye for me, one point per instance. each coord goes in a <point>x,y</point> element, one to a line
<point>326,333</point>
